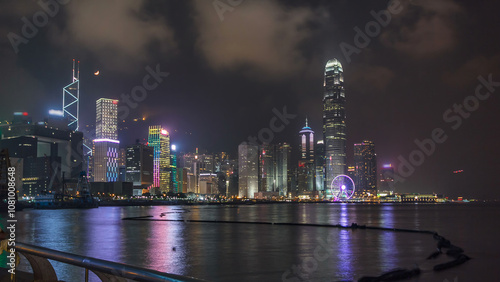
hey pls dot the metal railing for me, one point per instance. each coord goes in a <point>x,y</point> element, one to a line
<point>105,270</point>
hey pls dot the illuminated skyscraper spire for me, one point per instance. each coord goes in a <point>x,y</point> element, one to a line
<point>334,116</point>
<point>71,99</point>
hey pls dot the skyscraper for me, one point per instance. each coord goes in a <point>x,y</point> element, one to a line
<point>307,143</point>
<point>319,162</point>
<point>365,163</point>
<point>139,163</point>
<point>334,126</point>
<point>173,170</point>
<point>267,168</point>
<point>306,170</point>
<point>283,169</point>
<point>71,99</point>
<point>387,178</point>
<point>105,154</point>
<point>106,147</point>
<point>248,167</point>
<point>106,119</point>
<point>159,139</point>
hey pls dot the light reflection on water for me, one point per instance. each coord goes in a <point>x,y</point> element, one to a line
<point>243,252</point>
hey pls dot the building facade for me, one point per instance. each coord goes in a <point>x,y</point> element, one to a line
<point>46,153</point>
<point>159,139</point>
<point>306,169</point>
<point>284,169</point>
<point>106,124</point>
<point>334,121</point>
<point>365,163</point>
<point>139,164</point>
<point>106,147</point>
<point>248,169</point>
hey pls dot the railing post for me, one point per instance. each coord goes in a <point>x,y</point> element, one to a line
<point>86,275</point>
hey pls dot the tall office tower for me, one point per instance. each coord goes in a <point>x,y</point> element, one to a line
<point>248,168</point>
<point>307,143</point>
<point>173,170</point>
<point>319,162</point>
<point>105,154</point>
<point>182,176</point>
<point>106,147</point>
<point>334,126</point>
<point>106,119</point>
<point>230,169</point>
<point>71,99</point>
<point>365,163</point>
<point>267,168</point>
<point>306,170</point>
<point>139,163</point>
<point>159,139</point>
<point>284,169</point>
<point>387,178</point>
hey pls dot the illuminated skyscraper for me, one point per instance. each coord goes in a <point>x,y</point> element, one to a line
<point>307,143</point>
<point>106,147</point>
<point>306,170</point>
<point>159,139</point>
<point>283,169</point>
<point>334,126</point>
<point>106,119</point>
<point>267,168</point>
<point>319,162</point>
<point>71,99</point>
<point>173,170</point>
<point>105,155</point>
<point>248,167</point>
<point>365,163</point>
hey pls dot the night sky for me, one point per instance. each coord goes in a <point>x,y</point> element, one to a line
<point>229,69</point>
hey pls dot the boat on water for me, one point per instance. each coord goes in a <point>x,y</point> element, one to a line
<point>82,200</point>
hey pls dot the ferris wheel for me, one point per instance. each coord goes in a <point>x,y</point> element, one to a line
<point>342,187</point>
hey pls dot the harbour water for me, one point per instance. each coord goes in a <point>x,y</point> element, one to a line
<point>250,252</point>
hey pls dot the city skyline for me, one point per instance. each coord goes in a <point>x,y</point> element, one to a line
<point>399,91</point>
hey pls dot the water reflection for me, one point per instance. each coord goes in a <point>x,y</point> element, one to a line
<point>387,240</point>
<point>344,214</point>
<point>238,252</point>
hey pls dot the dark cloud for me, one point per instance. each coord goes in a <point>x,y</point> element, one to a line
<point>371,77</point>
<point>118,33</point>
<point>466,74</point>
<point>258,37</point>
<point>423,28</point>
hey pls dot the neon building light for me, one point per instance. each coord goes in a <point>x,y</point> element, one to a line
<point>159,139</point>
